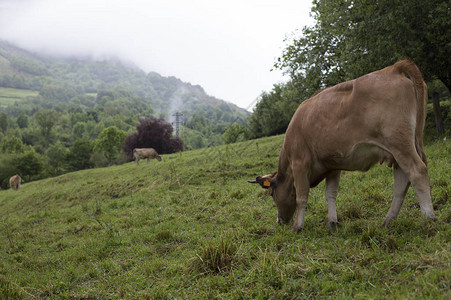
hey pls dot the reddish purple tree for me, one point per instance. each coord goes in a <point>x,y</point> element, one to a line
<point>153,133</point>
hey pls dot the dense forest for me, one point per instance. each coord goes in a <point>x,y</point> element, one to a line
<point>54,111</point>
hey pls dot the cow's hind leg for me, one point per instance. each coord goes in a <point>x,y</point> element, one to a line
<point>401,185</point>
<point>416,171</point>
<point>331,191</point>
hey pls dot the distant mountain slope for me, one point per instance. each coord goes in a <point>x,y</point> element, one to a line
<point>21,69</point>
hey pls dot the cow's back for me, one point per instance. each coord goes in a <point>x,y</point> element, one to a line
<point>145,153</point>
<point>363,108</point>
<point>348,125</point>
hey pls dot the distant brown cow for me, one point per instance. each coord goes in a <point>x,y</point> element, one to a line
<point>352,126</point>
<point>14,182</point>
<point>141,153</point>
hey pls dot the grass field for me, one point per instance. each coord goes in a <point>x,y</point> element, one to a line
<point>9,96</point>
<point>191,227</point>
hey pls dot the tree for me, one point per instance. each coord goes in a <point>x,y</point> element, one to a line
<point>22,120</point>
<point>109,142</point>
<point>273,112</point>
<point>3,122</point>
<point>200,123</point>
<point>193,139</point>
<point>351,38</point>
<point>234,133</point>
<point>12,144</point>
<point>78,130</point>
<point>59,93</point>
<point>153,133</point>
<point>57,159</point>
<point>30,164</point>
<point>80,154</point>
<point>46,119</point>
<point>201,132</point>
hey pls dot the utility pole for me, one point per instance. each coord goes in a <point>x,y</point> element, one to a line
<point>178,120</point>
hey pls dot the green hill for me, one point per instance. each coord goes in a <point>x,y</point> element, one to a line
<point>8,96</point>
<point>21,69</point>
<point>192,227</point>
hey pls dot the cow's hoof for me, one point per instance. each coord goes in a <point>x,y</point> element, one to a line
<point>429,214</point>
<point>386,223</point>
<point>297,228</point>
<point>332,226</point>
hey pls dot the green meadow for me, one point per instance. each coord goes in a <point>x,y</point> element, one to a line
<point>9,96</point>
<point>191,227</point>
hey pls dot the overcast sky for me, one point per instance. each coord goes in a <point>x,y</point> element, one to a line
<point>226,46</point>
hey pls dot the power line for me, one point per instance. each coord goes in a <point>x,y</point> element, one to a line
<point>178,121</point>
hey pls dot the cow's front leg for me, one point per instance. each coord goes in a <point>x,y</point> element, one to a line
<point>302,187</point>
<point>331,191</point>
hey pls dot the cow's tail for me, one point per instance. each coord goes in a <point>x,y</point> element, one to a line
<point>411,71</point>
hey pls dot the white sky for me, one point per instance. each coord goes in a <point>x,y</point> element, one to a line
<point>226,46</point>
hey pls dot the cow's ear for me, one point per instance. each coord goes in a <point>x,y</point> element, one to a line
<point>266,181</point>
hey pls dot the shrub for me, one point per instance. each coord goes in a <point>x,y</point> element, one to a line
<point>153,133</point>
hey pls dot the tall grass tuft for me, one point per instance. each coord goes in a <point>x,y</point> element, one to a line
<point>217,256</point>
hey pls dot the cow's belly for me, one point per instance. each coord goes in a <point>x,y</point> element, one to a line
<point>361,157</point>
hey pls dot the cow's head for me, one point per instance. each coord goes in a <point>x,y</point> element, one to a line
<point>283,193</point>
<point>158,157</point>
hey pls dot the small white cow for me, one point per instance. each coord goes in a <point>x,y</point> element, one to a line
<point>14,182</point>
<point>148,153</point>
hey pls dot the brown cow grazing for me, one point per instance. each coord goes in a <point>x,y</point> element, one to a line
<point>14,182</point>
<point>352,126</point>
<point>141,153</point>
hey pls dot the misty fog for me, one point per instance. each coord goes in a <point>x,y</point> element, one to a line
<point>227,47</point>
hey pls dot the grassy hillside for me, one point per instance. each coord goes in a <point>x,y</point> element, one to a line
<point>9,96</point>
<point>192,227</point>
